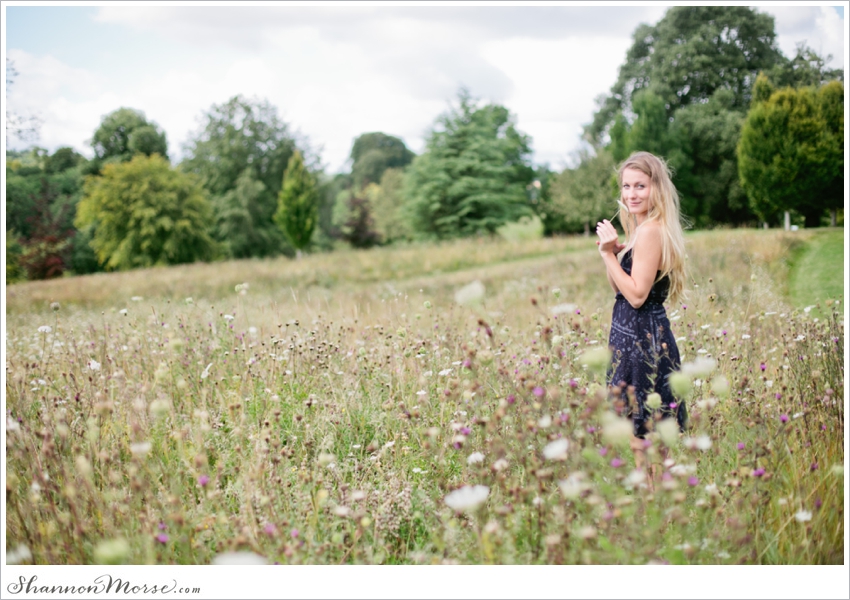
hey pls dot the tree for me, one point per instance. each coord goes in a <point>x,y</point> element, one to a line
<point>374,153</point>
<point>385,202</point>
<point>588,193</point>
<point>243,143</point>
<point>688,55</point>
<point>807,68</point>
<point>790,155</point>
<point>145,213</point>
<point>297,209</point>
<point>708,184</point>
<point>473,174</point>
<point>124,133</point>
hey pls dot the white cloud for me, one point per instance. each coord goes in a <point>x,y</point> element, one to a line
<point>337,72</point>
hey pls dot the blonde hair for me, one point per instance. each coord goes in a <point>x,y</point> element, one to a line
<point>664,208</point>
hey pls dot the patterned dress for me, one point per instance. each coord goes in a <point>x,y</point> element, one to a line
<point>644,353</point>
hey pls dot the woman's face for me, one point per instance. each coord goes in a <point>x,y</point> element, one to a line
<point>635,192</point>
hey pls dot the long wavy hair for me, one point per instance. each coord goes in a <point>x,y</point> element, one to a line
<point>664,208</point>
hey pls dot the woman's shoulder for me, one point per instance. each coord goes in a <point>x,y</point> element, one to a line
<point>649,232</point>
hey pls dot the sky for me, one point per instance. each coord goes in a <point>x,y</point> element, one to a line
<point>337,71</point>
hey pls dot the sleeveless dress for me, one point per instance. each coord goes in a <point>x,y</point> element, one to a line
<point>644,353</point>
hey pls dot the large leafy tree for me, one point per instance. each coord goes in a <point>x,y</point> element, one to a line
<point>385,202</point>
<point>125,133</point>
<point>240,155</point>
<point>298,204</point>
<point>473,174</point>
<point>374,153</point>
<point>144,213</point>
<point>586,194</point>
<point>790,155</point>
<point>688,55</point>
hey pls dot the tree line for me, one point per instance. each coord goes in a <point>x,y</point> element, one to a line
<point>749,133</point>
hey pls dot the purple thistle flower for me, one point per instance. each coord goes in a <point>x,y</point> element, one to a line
<point>724,332</point>
<point>578,311</point>
<point>573,383</point>
<point>692,481</point>
<point>617,462</point>
<point>783,418</point>
<point>538,391</point>
<point>818,503</point>
<point>603,451</point>
<point>162,538</point>
<point>823,427</point>
<point>814,466</point>
<point>465,430</point>
<point>161,526</point>
<point>294,533</point>
<point>673,405</point>
<point>778,396</point>
<point>758,472</point>
<point>203,480</point>
<point>511,398</point>
<point>270,529</point>
<point>763,366</point>
<point>591,429</point>
<point>741,445</point>
<point>467,363</point>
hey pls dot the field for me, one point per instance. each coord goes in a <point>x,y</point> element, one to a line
<point>373,407</point>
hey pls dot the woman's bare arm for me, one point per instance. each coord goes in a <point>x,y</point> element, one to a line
<point>646,259</point>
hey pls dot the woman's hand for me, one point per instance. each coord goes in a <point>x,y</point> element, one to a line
<point>608,241</point>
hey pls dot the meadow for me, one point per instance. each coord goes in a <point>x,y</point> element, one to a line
<point>434,404</point>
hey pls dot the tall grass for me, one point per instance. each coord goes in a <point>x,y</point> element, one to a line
<point>345,409</point>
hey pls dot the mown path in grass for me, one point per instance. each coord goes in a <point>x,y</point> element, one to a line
<point>817,269</point>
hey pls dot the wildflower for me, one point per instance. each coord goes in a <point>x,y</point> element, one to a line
<point>342,511</point>
<point>711,489</point>
<point>20,554</point>
<point>12,425</point>
<point>703,442</point>
<point>228,317</point>
<point>418,470</point>
<point>762,366</point>
<point>680,384</point>
<point>556,292</point>
<point>616,430</point>
<point>798,415</point>
<point>203,480</point>
<point>783,418</point>
<point>538,391</point>
<point>500,465</point>
<point>745,337</point>
<point>470,294</point>
<point>544,422</point>
<point>140,448</point>
<point>444,372</point>
<point>587,532</point>
<point>136,298</point>
<point>741,445</point>
<point>294,533</point>
<point>597,359</point>
<point>94,365</point>
<point>758,472</point>
<point>427,304</point>
<point>242,558</point>
<point>190,300</point>
<point>693,481</point>
<point>556,450</point>
<point>467,497</point>
<point>573,486</point>
<point>813,467</point>
<point>54,306</point>
<point>634,478</point>
<point>653,401</point>
<point>720,386</point>
<point>112,552</point>
<point>700,367</point>
<point>803,515</point>
<point>206,372</point>
<point>45,329</point>
<point>560,309</point>
<point>123,312</point>
<point>475,458</point>
<point>270,529</point>
<point>617,462</point>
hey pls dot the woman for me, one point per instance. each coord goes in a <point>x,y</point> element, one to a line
<point>650,269</point>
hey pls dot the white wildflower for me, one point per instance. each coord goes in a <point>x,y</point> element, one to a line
<point>475,458</point>
<point>123,311</point>
<point>500,465</point>
<point>703,442</point>
<point>94,365</point>
<point>242,558</point>
<point>556,450</point>
<point>136,298</point>
<point>140,448</point>
<point>228,317</point>
<point>12,425</point>
<point>803,515</point>
<point>467,497</point>
<point>635,478</point>
<point>573,486</point>
<point>45,329</point>
<point>745,337</point>
<point>444,372</point>
<point>700,367</point>
<point>616,430</point>
<point>561,309</point>
<point>472,293</point>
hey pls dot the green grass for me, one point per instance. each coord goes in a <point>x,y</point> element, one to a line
<point>817,270</point>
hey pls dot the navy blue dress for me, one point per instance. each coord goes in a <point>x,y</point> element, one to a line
<point>644,353</point>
